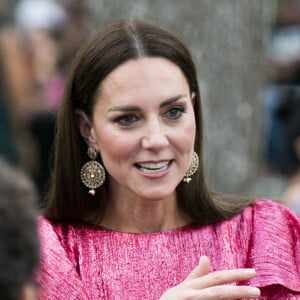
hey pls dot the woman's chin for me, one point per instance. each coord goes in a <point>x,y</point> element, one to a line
<point>156,194</point>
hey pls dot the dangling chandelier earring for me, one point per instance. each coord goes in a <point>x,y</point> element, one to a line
<point>92,173</point>
<point>192,168</point>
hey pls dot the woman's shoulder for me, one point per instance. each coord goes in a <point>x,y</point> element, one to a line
<point>268,220</point>
<point>274,224</point>
<point>271,213</point>
<point>65,232</point>
<point>46,226</point>
<point>60,238</point>
<point>56,232</point>
<point>57,225</point>
<point>274,244</point>
<point>263,204</point>
<point>263,209</point>
<point>49,232</point>
<point>263,214</point>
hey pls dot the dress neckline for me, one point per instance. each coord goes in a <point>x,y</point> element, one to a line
<point>167,231</point>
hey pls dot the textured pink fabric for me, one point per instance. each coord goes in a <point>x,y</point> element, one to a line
<point>81,262</point>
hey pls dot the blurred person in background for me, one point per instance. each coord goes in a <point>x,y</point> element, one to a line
<point>281,102</point>
<point>75,31</point>
<point>8,141</point>
<point>289,113</point>
<point>19,245</point>
<point>36,52</point>
<point>51,33</point>
<point>283,62</point>
<point>40,24</point>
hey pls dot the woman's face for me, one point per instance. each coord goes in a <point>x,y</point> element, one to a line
<point>143,125</point>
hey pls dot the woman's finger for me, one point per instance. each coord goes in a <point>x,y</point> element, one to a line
<point>202,268</point>
<point>227,292</point>
<point>221,277</point>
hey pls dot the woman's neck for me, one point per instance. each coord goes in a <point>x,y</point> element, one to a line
<point>144,216</point>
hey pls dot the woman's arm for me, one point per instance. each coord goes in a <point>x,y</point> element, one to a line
<point>57,277</point>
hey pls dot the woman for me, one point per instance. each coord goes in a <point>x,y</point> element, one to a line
<point>129,214</point>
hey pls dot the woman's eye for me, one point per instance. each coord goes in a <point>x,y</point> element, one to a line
<point>175,112</point>
<point>126,120</point>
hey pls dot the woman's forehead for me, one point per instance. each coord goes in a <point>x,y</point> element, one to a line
<point>153,77</point>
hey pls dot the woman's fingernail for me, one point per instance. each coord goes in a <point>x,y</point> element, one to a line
<point>255,292</point>
<point>250,271</point>
<point>203,257</point>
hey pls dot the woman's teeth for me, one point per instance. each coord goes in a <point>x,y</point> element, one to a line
<point>153,167</point>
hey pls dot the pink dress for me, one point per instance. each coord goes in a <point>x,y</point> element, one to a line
<point>86,262</point>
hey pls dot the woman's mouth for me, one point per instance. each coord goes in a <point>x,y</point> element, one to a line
<point>152,167</point>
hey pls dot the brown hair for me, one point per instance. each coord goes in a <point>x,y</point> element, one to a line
<point>68,199</point>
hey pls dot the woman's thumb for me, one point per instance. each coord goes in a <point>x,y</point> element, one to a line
<point>202,268</point>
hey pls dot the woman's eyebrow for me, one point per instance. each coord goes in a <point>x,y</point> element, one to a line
<point>125,108</point>
<point>129,108</point>
<point>172,100</point>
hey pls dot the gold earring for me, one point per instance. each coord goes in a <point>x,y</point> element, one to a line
<point>92,173</point>
<point>192,168</point>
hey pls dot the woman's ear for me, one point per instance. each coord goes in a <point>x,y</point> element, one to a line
<point>85,126</point>
<point>193,97</point>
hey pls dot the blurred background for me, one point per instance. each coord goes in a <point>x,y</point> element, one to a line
<point>247,55</point>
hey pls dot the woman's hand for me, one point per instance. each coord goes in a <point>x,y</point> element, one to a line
<point>202,285</point>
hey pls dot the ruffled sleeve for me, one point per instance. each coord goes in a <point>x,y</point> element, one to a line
<point>57,278</point>
<point>274,250</point>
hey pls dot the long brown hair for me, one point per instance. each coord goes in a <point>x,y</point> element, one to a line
<point>68,199</point>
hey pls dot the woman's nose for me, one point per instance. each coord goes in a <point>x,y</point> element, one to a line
<point>154,136</point>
